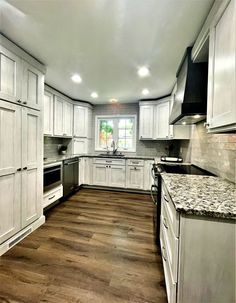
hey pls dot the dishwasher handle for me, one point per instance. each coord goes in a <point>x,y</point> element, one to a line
<point>70,163</point>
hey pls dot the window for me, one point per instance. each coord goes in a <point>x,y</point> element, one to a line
<point>120,129</point>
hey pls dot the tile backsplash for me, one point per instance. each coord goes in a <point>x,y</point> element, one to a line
<point>51,146</point>
<point>213,152</point>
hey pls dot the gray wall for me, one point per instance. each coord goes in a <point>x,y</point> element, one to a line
<point>213,152</point>
<point>143,148</point>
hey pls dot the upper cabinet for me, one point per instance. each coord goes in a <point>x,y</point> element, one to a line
<point>48,113</point>
<point>82,121</point>
<point>154,121</point>
<point>63,117</point>
<point>20,81</point>
<point>221,112</point>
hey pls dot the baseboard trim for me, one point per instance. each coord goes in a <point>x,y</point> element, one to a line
<point>8,244</point>
<point>126,190</point>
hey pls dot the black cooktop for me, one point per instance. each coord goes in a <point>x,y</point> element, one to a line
<point>185,169</point>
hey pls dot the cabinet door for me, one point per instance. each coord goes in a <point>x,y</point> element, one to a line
<point>148,179</point>
<point>222,70</point>
<point>134,175</point>
<point>80,146</point>
<point>162,121</point>
<point>116,176</point>
<point>48,113</point>
<point>32,166</point>
<point>80,121</point>
<point>87,171</point>
<point>32,86</point>
<point>10,76</point>
<point>81,170</point>
<point>146,121</point>
<point>58,116</point>
<point>67,119</point>
<point>10,162</point>
<point>100,174</point>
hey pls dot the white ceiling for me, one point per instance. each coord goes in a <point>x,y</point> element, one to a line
<point>105,41</point>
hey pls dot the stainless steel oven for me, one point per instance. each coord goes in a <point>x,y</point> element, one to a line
<point>52,175</point>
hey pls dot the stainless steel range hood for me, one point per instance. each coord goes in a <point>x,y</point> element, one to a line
<point>191,96</point>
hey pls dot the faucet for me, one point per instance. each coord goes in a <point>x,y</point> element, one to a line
<point>114,149</point>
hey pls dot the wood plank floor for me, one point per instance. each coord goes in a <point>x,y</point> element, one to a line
<point>95,247</point>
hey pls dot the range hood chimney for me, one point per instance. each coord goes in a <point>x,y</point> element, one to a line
<point>190,101</point>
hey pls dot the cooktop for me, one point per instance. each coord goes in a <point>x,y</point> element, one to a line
<point>184,169</point>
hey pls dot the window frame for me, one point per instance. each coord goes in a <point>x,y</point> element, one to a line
<point>116,118</point>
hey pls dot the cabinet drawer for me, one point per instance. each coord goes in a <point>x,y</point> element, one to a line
<point>171,244</point>
<point>109,161</point>
<point>171,212</point>
<point>135,162</point>
<point>170,284</point>
<point>52,196</point>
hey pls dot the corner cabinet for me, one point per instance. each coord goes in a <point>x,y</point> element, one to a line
<point>221,113</point>
<point>146,115</point>
<point>82,121</point>
<point>63,117</point>
<point>48,113</point>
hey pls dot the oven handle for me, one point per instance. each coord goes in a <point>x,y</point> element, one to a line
<point>51,170</point>
<point>152,194</point>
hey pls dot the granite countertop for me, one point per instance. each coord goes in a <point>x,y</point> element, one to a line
<point>202,195</point>
<point>66,157</point>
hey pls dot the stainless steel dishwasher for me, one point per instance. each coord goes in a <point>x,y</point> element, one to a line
<point>70,176</point>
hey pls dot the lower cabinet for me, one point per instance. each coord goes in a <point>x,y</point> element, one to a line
<point>52,195</point>
<point>134,177</point>
<point>109,175</point>
<point>198,258</point>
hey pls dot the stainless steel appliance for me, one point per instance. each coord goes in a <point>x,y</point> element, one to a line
<point>70,176</point>
<point>52,175</point>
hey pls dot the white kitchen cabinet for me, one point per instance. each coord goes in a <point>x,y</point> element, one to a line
<point>21,176</point>
<point>10,75</point>
<point>221,107</point>
<point>100,175</point>
<point>191,246</point>
<point>10,170</point>
<point>117,176</point>
<point>146,115</point>
<point>63,117</point>
<point>134,177</point>
<point>48,113</point>
<point>88,170</point>
<point>52,195</point>
<point>58,116</point>
<point>32,86</point>
<point>161,123</point>
<point>80,146</point>
<point>32,180</point>
<point>67,119</point>
<point>82,121</point>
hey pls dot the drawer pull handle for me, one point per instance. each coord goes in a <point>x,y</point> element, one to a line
<point>165,198</point>
<point>108,161</point>
<point>51,197</point>
<point>164,223</point>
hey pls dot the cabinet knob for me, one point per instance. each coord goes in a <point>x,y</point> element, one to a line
<point>18,169</point>
<point>19,100</point>
<point>24,102</point>
<point>25,168</point>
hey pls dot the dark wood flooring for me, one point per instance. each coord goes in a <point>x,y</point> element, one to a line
<point>95,247</point>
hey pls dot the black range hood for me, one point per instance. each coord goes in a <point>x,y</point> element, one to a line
<point>190,101</point>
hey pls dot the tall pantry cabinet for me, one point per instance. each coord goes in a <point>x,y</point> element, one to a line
<point>21,144</point>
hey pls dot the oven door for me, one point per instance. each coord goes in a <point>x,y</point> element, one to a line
<point>52,176</point>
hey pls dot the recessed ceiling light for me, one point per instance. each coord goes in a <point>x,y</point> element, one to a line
<point>113,100</point>
<point>94,95</point>
<point>184,123</point>
<point>145,91</point>
<point>196,116</point>
<point>143,71</point>
<point>76,78</point>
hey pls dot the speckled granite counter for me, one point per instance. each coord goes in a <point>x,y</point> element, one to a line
<point>202,195</point>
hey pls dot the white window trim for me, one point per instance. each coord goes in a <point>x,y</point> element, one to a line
<point>97,148</point>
